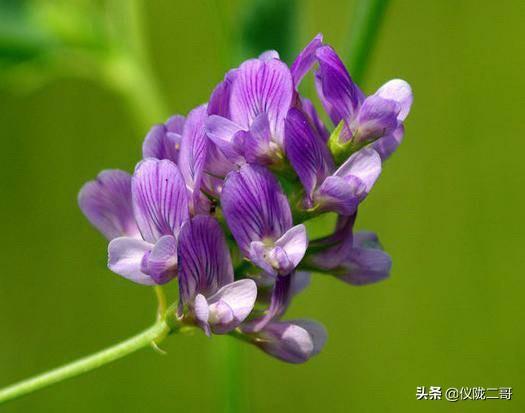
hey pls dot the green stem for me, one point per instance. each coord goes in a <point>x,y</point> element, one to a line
<point>86,364</point>
<point>228,363</point>
<point>367,20</point>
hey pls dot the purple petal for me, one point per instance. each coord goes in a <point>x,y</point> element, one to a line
<point>281,296</point>
<point>315,120</point>
<point>204,259</point>
<point>257,147</point>
<point>219,103</point>
<point>262,86</point>
<point>222,132</point>
<point>307,153</point>
<point>193,156</point>
<point>339,95</point>
<point>367,239</point>
<point>286,341</point>
<point>305,60</point>
<point>377,118</point>
<point>125,258</point>
<point>230,306</point>
<point>366,266</point>
<point>365,164</point>
<point>175,124</point>
<point>161,144</point>
<point>161,263</point>
<point>269,54</point>
<point>387,145</point>
<point>106,202</point>
<point>160,198</point>
<point>300,281</point>
<point>340,195</point>
<point>331,251</point>
<point>399,91</point>
<point>254,206</point>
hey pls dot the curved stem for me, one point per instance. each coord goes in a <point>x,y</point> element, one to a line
<point>367,20</point>
<point>83,365</point>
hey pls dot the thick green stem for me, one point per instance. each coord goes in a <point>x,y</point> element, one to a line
<point>367,20</point>
<point>151,335</point>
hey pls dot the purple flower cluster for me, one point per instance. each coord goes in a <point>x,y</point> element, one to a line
<point>219,199</point>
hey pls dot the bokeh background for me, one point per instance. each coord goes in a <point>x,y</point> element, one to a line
<point>448,208</point>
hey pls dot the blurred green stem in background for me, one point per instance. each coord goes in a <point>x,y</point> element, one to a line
<point>367,21</point>
<point>125,68</point>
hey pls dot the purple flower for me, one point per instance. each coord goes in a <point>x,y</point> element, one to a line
<point>259,217</point>
<point>366,119</point>
<point>251,105</point>
<point>163,141</point>
<point>207,288</point>
<point>357,259</point>
<point>341,190</point>
<point>160,205</point>
<point>106,202</point>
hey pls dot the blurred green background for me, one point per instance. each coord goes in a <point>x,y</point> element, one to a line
<point>448,208</point>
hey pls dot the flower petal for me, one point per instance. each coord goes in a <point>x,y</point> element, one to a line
<point>161,144</point>
<point>161,263</point>
<point>256,146</point>
<point>317,333</point>
<point>201,310</point>
<point>320,129</point>
<point>262,86</point>
<point>377,118</point>
<point>254,206</point>
<point>106,202</point>
<point>366,266</point>
<point>159,198</point>
<point>204,259</point>
<point>222,132</point>
<point>269,54</point>
<point>294,243</point>
<point>125,258</point>
<point>339,95</point>
<point>305,60</point>
<point>219,103</point>
<point>307,153</point>
<point>240,297</point>
<point>339,194</point>
<point>286,341</point>
<point>387,145</point>
<point>365,164</point>
<point>193,157</point>
<point>399,91</point>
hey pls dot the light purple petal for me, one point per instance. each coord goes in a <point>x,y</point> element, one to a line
<point>161,263</point>
<point>258,255</point>
<point>269,54</point>
<point>204,259</point>
<point>161,144</point>
<point>399,91</point>
<point>219,103</point>
<point>387,145</point>
<point>317,333</point>
<point>367,239</point>
<point>377,118</point>
<point>305,60</point>
<point>257,145</point>
<point>294,243</point>
<point>255,206</point>
<point>365,164</point>
<point>300,281</point>
<point>222,132</point>
<point>201,310</point>
<point>286,341</point>
<point>237,297</point>
<point>125,258</point>
<point>262,86</point>
<point>307,153</point>
<point>160,198</point>
<point>340,195</point>
<point>106,202</point>
<point>193,157</point>
<point>339,95</point>
<point>366,266</point>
